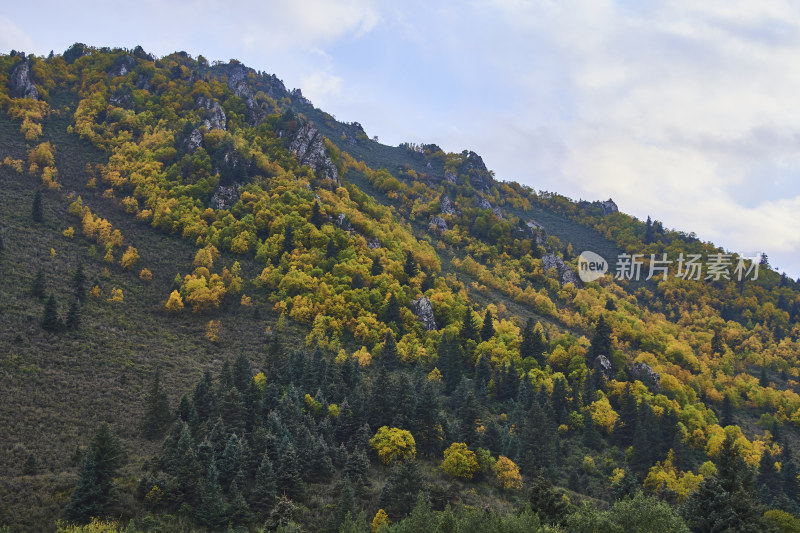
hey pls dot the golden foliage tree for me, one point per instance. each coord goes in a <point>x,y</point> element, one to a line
<point>393,443</point>
<point>460,461</point>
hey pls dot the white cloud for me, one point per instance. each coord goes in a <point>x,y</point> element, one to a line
<point>13,38</point>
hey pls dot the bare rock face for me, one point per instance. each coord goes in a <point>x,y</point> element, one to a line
<point>373,244</point>
<point>423,309</point>
<point>20,81</point>
<point>483,203</point>
<point>446,205</point>
<point>438,224</point>
<point>215,115</point>
<point>194,141</point>
<point>309,147</point>
<point>537,231</point>
<point>644,373</point>
<point>225,197</point>
<point>450,176</point>
<point>497,212</point>
<point>122,66</point>
<point>565,273</point>
<point>608,206</point>
<point>603,365</point>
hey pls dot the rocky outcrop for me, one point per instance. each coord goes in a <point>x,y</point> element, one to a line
<point>308,146</point>
<point>297,97</point>
<point>373,244</point>
<point>215,115</point>
<point>446,205</point>
<point>438,224</point>
<point>423,309</point>
<point>608,207</point>
<point>20,82</point>
<point>603,365</point>
<point>565,273</point>
<point>225,197</point>
<point>536,231</point>
<point>123,97</point>
<point>450,176</point>
<point>475,169</point>
<point>497,212</point>
<point>194,141</point>
<point>645,373</point>
<point>483,203</point>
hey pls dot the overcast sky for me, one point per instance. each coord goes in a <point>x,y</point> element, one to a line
<point>685,111</point>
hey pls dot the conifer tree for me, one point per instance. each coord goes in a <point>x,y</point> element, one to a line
<point>37,210</point>
<point>389,357</point>
<point>601,341</point>
<point>316,215</point>
<point>156,413</point>
<point>210,511</point>
<point>392,311</point>
<point>38,286</point>
<point>79,282</point>
<point>50,319</point>
<point>410,267</point>
<point>74,316</point>
<point>487,330</point>
<point>96,489</point>
<point>290,482</point>
<point>264,486</point>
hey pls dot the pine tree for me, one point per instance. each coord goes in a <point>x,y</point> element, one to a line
<point>210,511</point>
<point>156,412</point>
<point>559,399</point>
<point>73,316</point>
<point>601,341</point>
<point>717,344</point>
<point>410,267</point>
<point>264,487</point>
<point>95,489</point>
<point>50,319</point>
<point>487,330</point>
<point>290,482</point>
<point>648,231</point>
<point>400,492</point>
<point>483,374</point>
<point>316,215</point>
<point>376,269</point>
<point>545,501</point>
<point>538,441</point>
<point>37,210</point>
<point>38,286</point>
<point>726,414</point>
<point>533,343</point>
<point>392,311</point>
<point>468,330</point>
<point>30,467</point>
<point>450,356</point>
<point>79,282</point>
<point>389,357</point>
<point>238,511</point>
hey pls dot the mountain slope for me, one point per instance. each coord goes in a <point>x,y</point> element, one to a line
<point>249,232</point>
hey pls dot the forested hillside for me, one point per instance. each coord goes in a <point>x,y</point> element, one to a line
<point>226,310</point>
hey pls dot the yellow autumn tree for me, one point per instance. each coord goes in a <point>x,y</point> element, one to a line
<point>212,330</point>
<point>145,275</point>
<point>175,302</point>
<point>129,258</point>
<point>507,472</point>
<point>393,443</point>
<point>460,461</point>
<point>381,519</point>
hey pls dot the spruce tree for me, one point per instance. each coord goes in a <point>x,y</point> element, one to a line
<point>400,492</point>
<point>601,341</point>
<point>392,311</point>
<point>264,486</point>
<point>79,282</point>
<point>37,210</point>
<point>50,319</point>
<point>210,511</point>
<point>316,215</point>
<point>96,489</point>
<point>487,330</point>
<point>38,286</point>
<point>410,267</point>
<point>451,367</point>
<point>468,330</point>
<point>290,482</point>
<point>156,412</point>
<point>74,316</point>
<point>389,357</point>
<point>538,441</point>
<point>376,269</point>
<point>30,467</point>
<point>288,240</point>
